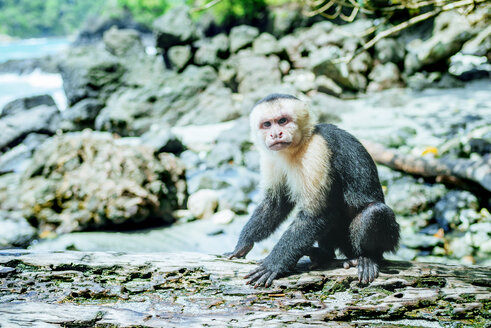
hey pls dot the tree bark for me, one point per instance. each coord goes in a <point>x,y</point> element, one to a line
<point>100,289</point>
<point>460,172</point>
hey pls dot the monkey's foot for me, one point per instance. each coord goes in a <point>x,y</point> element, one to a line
<point>367,269</point>
<point>261,276</point>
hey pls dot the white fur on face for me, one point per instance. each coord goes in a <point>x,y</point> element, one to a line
<point>304,166</point>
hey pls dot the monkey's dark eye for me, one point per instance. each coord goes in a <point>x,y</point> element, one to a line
<point>266,124</point>
<point>283,120</point>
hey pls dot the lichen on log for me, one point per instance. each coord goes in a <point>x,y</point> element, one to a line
<point>100,289</point>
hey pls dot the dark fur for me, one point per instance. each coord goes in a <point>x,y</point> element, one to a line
<point>354,218</point>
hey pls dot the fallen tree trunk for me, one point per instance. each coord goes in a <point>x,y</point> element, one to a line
<point>85,289</point>
<point>461,172</point>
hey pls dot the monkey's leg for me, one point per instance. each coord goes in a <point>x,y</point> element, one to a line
<point>372,232</point>
<point>323,254</point>
<point>295,242</point>
<point>273,210</point>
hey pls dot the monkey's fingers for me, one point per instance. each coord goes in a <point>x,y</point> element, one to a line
<point>256,277</point>
<point>255,271</point>
<point>262,280</point>
<point>350,263</point>
<point>270,279</point>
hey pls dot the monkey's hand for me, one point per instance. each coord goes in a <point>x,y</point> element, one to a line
<point>240,251</point>
<point>264,274</point>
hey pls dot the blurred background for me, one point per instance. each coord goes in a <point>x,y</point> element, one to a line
<point>123,124</point>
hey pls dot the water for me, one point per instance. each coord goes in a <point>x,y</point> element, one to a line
<point>14,86</point>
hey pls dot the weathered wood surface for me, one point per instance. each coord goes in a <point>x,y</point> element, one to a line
<point>82,289</point>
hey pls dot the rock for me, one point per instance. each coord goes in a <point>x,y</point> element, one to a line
<point>174,28</point>
<point>419,241</point>
<point>223,217</point>
<point>480,45</point>
<point>450,32</point>
<point>328,86</point>
<point>179,56</point>
<point>328,109</point>
<point>322,62</point>
<point>242,37</point>
<point>81,116</point>
<point>302,80</point>
<point>186,98</point>
<point>124,42</point>
<point>448,209</point>
<point>406,196</point>
<point>203,203</point>
<point>238,135</point>
<point>257,72</point>
<point>162,139</point>
<point>212,52</point>
<point>90,180</point>
<point>361,63</point>
<point>389,50</point>
<point>23,104</point>
<point>15,231</point>
<point>224,153</point>
<point>233,199</point>
<point>469,67</point>
<point>384,76</point>
<point>14,128</point>
<point>459,248</point>
<point>266,44</point>
<point>17,158</point>
<point>90,72</point>
<point>95,27</point>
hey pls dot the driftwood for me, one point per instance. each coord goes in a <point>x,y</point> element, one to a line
<point>82,289</point>
<point>460,172</point>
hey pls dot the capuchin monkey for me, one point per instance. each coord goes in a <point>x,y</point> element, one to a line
<point>329,176</point>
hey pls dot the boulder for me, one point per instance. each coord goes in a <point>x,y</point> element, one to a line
<point>95,27</point>
<point>22,104</point>
<point>15,231</point>
<point>90,72</point>
<point>124,42</point>
<point>266,44</point>
<point>389,50</point>
<point>179,56</point>
<point>203,203</point>
<point>174,28</point>
<point>212,51</point>
<point>325,62</point>
<point>82,115</point>
<point>17,158</point>
<point>90,180</point>
<point>14,128</point>
<point>384,76</point>
<point>242,37</point>
<point>192,97</point>
<point>480,45</point>
<point>256,72</point>
<point>450,32</point>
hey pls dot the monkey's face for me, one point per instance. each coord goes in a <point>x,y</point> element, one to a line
<point>277,125</point>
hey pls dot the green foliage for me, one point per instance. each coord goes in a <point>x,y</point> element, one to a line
<point>145,11</point>
<point>227,12</point>
<point>32,18</point>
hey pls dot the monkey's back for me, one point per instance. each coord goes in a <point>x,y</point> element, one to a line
<point>353,169</point>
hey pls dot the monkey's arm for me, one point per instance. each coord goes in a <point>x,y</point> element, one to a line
<point>294,243</point>
<point>272,211</point>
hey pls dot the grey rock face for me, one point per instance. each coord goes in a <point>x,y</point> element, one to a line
<point>87,180</point>
<point>389,50</point>
<point>180,56</point>
<point>242,37</point>
<point>174,28</point>
<point>90,73</point>
<point>124,42</point>
<point>15,231</point>
<point>450,32</point>
<point>22,104</point>
<point>15,127</point>
<point>213,51</point>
